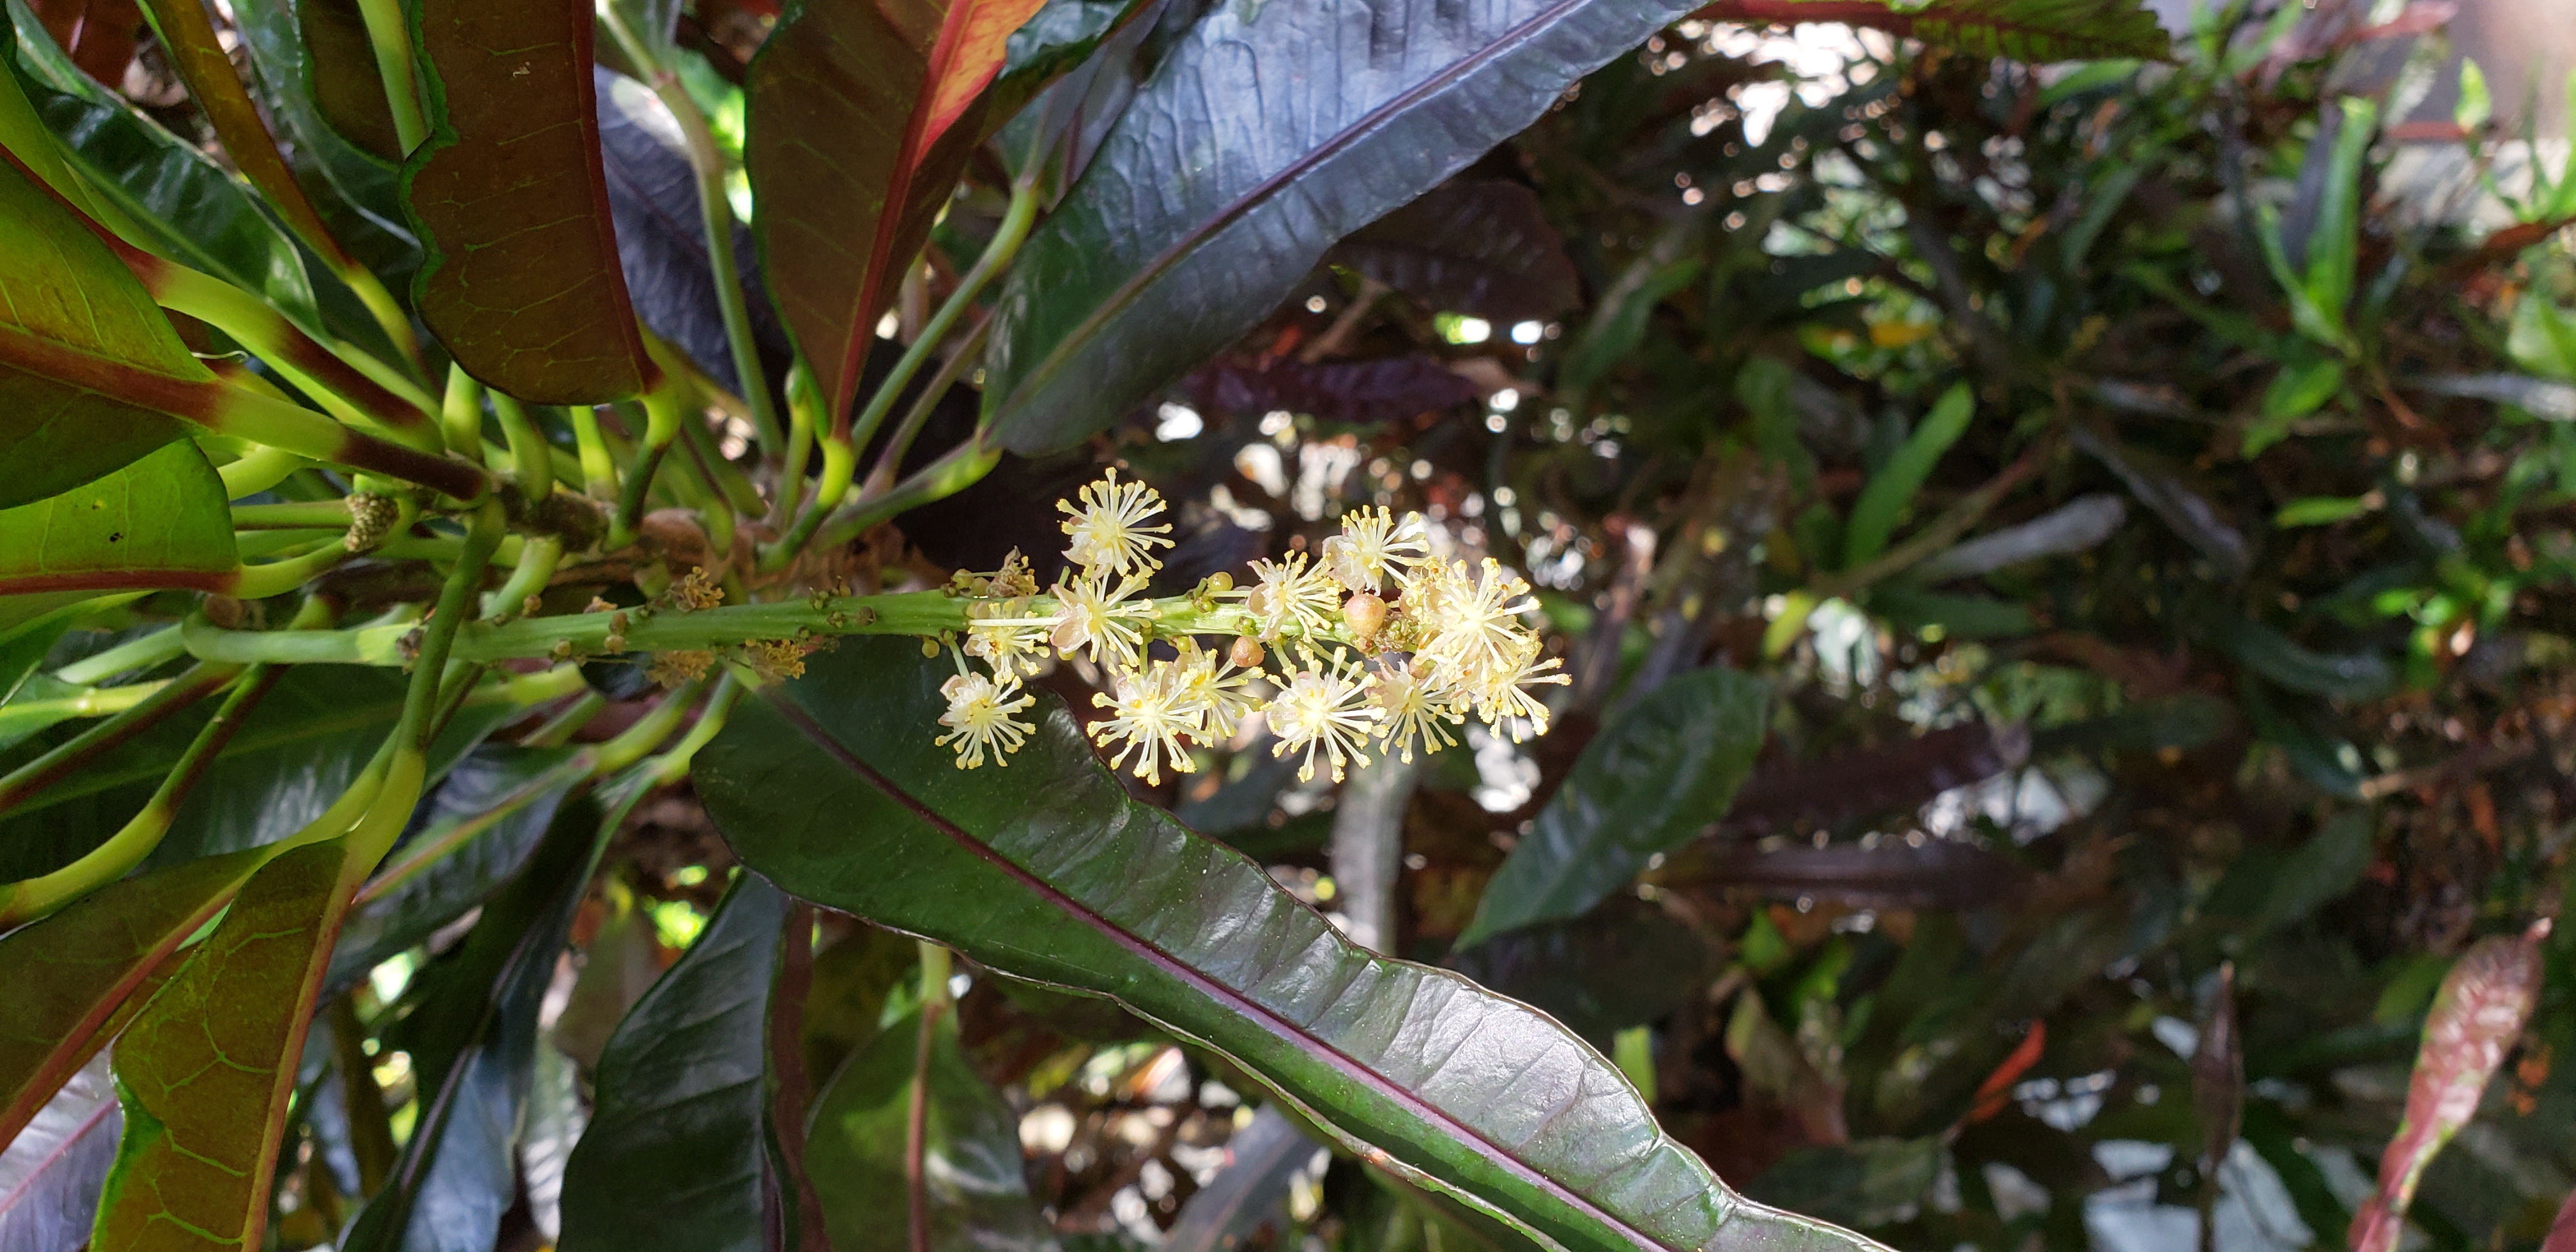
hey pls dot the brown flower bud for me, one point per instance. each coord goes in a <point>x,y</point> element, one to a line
<point>1364,614</point>
<point>1246,653</point>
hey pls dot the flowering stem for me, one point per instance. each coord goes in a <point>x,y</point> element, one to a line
<point>926,614</point>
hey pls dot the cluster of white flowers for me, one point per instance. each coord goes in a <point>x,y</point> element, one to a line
<point>1378,646</point>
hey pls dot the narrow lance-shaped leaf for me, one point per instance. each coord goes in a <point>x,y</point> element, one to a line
<point>2476,1016</point>
<point>1051,873</point>
<point>849,106</point>
<point>676,1152</point>
<point>521,280</point>
<point>1270,132</point>
<point>1649,783</point>
<point>1889,491</point>
<point>974,1190</point>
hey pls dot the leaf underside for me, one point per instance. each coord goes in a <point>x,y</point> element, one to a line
<point>521,281</point>
<point>853,148</point>
<point>159,522</point>
<point>1048,872</point>
<point>1269,132</point>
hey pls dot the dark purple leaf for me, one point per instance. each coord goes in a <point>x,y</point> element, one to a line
<point>1336,391</point>
<point>1942,873</point>
<point>1483,247</point>
<point>1824,792</point>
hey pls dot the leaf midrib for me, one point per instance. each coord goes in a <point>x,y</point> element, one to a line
<point>1177,968</point>
<point>1369,123</point>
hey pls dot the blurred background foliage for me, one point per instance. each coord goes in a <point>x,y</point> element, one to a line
<point>2149,512</point>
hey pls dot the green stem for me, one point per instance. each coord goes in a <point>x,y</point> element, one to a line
<point>461,412</point>
<point>648,732</point>
<point>558,730</point>
<point>725,477</point>
<point>42,895</point>
<point>802,405</point>
<point>839,460</point>
<point>532,459</point>
<point>1005,244</point>
<point>243,412</point>
<point>662,419</point>
<point>922,614</point>
<point>258,470</point>
<point>34,776</point>
<point>715,212</point>
<point>352,386</point>
<point>961,467</point>
<point>536,568</point>
<point>673,765</point>
<point>438,635</point>
<point>131,656</point>
<point>276,578</point>
<point>598,465</point>
<point>881,479</point>
<point>390,34</point>
<point>299,515</point>
<point>23,717</point>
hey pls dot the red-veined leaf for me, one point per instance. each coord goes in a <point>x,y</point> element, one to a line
<point>854,146</point>
<point>521,280</point>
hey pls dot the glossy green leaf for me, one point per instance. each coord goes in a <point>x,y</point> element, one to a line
<point>188,208</point>
<point>63,289</point>
<point>851,156</point>
<point>50,1173</point>
<point>347,88</point>
<point>521,281</point>
<point>1049,872</point>
<point>1212,198</point>
<point>292,757</point>
<point>207,1069</point>
<point>357,190</point>
<point>527,784</point>
<point>161,521</point>
<point>1890,491</point>
<point>70,973</point>
<point>196,53</point>
<point>2025,30</point>
<point>677,1150</point>
<point>1650,782</point>
<point>975,1192</point>
<point>469,1024</point>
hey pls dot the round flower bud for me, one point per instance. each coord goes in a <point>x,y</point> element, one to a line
<point>1246,653</point>
<point>1364,614</point>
